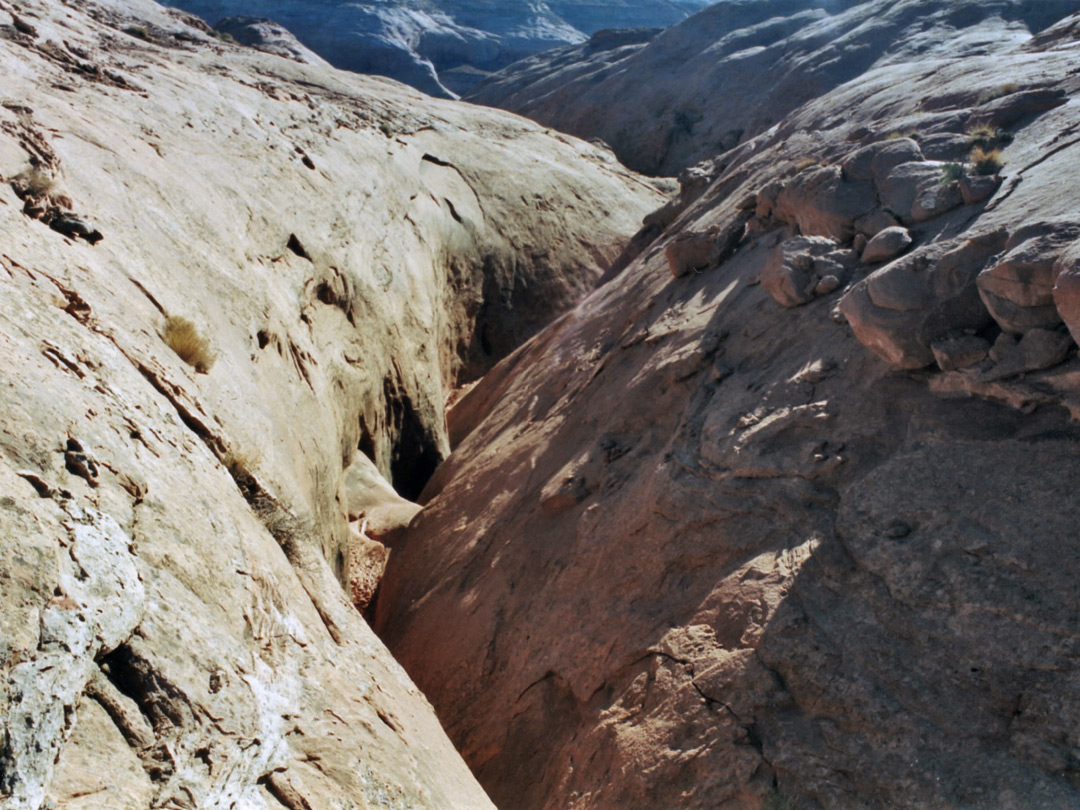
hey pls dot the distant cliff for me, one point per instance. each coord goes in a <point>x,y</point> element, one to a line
<point>443,47</point>
<point>738,67</point>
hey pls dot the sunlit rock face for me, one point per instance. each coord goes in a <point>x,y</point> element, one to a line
<point>236,291</point>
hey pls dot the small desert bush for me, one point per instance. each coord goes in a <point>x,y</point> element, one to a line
<point>240,463</point>
<point>953,172</point>
<point>137,31</point>
<point>224,36</point>
<point>183,337</point>
<point>987,137</point>
<point>985,162</point>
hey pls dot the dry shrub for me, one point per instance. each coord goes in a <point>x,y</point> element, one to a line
<point>987,137</point>
<point>999,92</point>
<point>985,162</point>
<point>183,337</point>
<point>34,183</point>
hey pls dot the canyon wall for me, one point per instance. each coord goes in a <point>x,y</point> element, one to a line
<point>235,294</point>
<point>442,48</point>
<point>738,67</point>
<point>783,514</point>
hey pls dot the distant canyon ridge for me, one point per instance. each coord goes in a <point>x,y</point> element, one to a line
<point>442,47</point>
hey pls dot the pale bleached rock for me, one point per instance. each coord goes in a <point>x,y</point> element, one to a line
<point>174,549</point>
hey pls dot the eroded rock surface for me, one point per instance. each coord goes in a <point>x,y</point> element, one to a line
<point>280,268</point>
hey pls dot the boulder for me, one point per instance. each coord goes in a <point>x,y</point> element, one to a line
<point>948,147</point>
<point>908,183</point>
<point>901,309</point>
<point>959,351</point>
<point>1019,288</point>
<point>692,251</point>
<point>974,189</point>
<point>875,222</point>
<point>935,199</point>
<point>1067,288</point>
<point>878,159</point>
<point>892,153</point>
<point>369,500</point>
<point>822,203</point>
<point>1036,350</point>
<point>886,245</point>
<point>801,269</point>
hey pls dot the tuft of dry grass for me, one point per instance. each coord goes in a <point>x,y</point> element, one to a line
<point>998,92</point>
<point>983,161</point>
<point>987,137</point>
<point>183,337</point>
<point>34,183</point>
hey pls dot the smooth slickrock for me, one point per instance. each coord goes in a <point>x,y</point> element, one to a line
<point>225,276</point>
<point>698,549</point>
<point>269,36</point>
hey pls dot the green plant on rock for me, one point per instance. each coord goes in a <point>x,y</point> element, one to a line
<point>984,162</point>
<point>953,172</point>
<point>182,336</point>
